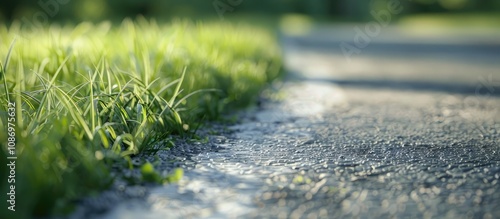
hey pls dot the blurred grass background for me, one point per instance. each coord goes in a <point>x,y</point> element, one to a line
<point>339,10</point>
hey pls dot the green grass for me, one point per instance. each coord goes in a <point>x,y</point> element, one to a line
<point>91,96</point>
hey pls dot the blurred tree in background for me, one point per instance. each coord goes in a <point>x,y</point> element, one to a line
<point>93,10</point>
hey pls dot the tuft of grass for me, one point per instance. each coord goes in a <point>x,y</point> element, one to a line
<point>93,95</point>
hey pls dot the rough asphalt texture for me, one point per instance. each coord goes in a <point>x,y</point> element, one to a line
<point>399,131</point>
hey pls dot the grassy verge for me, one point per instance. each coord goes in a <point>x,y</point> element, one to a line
<point>92,95</point>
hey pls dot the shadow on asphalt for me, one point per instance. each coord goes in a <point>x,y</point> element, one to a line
<point>465,89</point>
<point>476,51</point>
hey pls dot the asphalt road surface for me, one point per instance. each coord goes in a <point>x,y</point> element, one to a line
<point>406,128</point>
